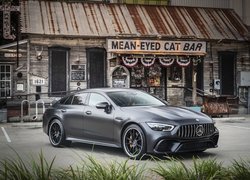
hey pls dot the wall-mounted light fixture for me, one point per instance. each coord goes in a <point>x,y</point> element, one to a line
<point>39,51</point>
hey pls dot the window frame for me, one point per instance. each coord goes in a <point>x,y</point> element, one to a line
<point>5,81</point>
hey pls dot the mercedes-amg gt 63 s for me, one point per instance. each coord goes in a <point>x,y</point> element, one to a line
<point>130,119</point>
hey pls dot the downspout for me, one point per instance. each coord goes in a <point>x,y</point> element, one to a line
<point>28,68</point>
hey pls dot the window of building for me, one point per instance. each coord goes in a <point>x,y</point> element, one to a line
<point>58,70</point>
<point>5,81</point>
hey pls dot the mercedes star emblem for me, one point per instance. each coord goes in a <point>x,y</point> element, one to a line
<point>199,130</point>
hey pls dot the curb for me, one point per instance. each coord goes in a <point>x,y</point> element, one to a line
<point>27,124</point>
<point>230,119</point>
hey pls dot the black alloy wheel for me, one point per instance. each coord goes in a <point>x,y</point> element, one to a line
<point>134,142</point>
<point>56,133</point>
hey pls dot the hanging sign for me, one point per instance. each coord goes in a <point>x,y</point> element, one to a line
<point>147,61</point>
<point>166,61</point>
<point>183,61</point>
<point>129,61</point>
<point>156,46</point>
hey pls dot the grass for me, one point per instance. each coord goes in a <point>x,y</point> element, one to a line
<point>201,170</point>
<point>18,169</point>
<point>91,169</point>
<point>240,170</point>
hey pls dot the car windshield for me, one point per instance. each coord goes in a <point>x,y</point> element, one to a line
<point>131,98</point>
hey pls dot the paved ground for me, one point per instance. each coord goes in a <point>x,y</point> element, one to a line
<point>28,138</point>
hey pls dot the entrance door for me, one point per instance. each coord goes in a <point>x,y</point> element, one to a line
<point>58,70</point>
<point>96,67</point>
<point>227,64</point>
<point>189,81</point>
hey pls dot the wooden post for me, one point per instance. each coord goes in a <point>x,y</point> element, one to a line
<point>194,79</point>
<point>194,84</point>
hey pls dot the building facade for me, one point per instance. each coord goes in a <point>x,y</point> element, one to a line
<point>179,54</point>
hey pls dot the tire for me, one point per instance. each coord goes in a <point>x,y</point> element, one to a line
<point>134,142</point>
<point>57,134</point>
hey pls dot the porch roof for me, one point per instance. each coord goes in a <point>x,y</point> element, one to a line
<point>114,20</point>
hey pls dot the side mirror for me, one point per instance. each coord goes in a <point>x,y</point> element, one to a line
<point>104,105</point>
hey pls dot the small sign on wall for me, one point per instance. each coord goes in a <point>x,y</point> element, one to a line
<point>78,72</point>
<point>20,87</point>
<point>38,81</point>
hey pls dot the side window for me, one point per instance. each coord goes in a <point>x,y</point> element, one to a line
<point>95,98</point>
<point>80,99</point>
<point>62,101</point>
<point>69,100</point>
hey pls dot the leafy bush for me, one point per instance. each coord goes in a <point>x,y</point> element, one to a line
<point>171,169</point>
<point>240,170</point>
<point>18,169</point>
<point>99,171</point>
<point>201,169</point>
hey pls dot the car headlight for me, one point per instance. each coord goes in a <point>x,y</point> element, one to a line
<point>160,127</point>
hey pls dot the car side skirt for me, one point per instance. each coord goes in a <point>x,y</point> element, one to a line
<point>93,142</point>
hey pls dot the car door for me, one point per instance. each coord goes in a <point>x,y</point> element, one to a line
<point>98,124</point>
<point>73,114</point>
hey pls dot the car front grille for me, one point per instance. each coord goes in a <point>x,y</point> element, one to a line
<point>195,130</point>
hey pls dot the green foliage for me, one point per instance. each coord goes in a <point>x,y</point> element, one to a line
<point>240,170</point>
<point>18,169</point>
<point>201,169</point>
<point>99,171</point>
<point>91,169</point>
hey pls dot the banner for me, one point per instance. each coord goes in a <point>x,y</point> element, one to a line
<point>147,61</point>
<point>129,61</point>
<point>166,61</point>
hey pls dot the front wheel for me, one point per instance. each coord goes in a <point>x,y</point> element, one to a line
<point>134,142</point>
<point>56,133</point>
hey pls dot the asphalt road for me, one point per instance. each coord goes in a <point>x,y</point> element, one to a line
<point>28,141</point>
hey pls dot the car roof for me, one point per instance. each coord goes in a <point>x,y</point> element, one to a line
<point>108,89</point>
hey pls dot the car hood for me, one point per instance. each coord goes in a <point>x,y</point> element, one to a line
<point>172,113</point>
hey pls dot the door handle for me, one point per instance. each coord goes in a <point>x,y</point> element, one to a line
<point>63,110</point>
<point>88,112</point>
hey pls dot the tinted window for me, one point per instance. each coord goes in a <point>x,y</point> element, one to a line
<point>96,98</point>
<point>61,101</point>
<point>69,100</point>
<point>80,99</point>
<point>129,98</point>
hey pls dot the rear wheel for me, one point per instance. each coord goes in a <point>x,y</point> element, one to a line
<point>57,134</point>
<point>134,142</point>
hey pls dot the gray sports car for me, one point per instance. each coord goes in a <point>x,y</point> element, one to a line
<point>130,119</point>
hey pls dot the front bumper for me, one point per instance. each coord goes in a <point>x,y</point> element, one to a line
<point>185,145</point>
<point>173,142</point>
